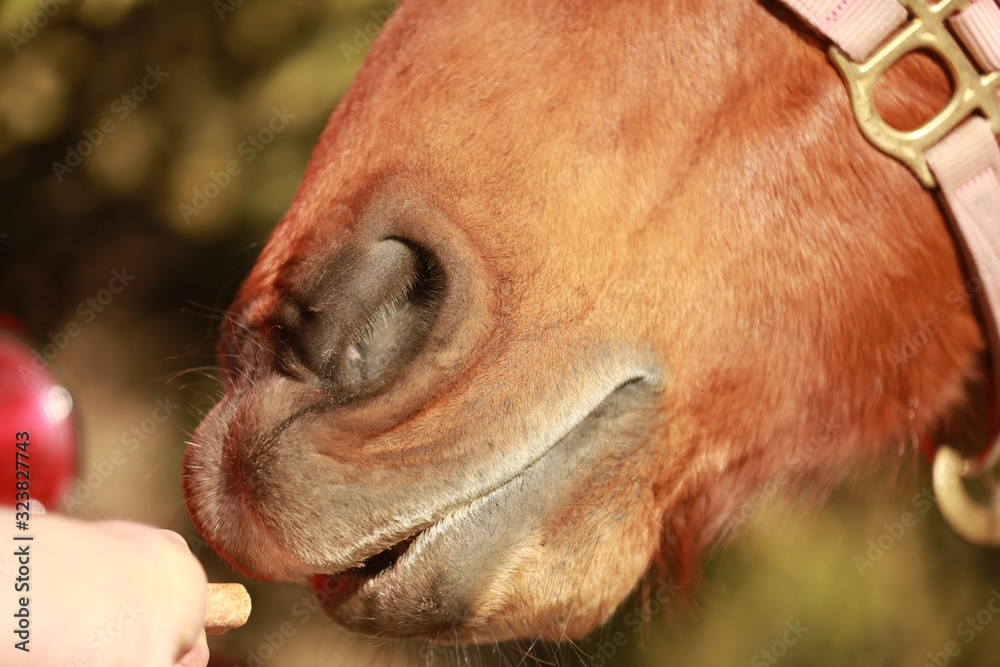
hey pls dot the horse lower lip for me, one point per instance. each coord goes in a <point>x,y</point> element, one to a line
<point>341,585</point>
<point>432,592</point>
<point>332,588</point>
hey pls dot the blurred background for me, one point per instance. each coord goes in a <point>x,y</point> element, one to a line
<point>163,141</point>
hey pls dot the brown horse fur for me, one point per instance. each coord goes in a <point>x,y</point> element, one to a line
<point>669,200</point>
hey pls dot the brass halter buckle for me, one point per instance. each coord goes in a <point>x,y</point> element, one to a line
<point>973,91</point>
<point>976,521</point>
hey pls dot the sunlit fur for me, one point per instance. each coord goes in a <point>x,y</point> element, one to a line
<point>670,190</point>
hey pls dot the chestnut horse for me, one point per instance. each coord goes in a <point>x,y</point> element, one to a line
<point>563,286</point>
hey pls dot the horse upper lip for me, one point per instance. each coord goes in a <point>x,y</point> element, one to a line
<point>353,520</point>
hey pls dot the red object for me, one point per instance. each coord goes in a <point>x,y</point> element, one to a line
<point>33,401</point>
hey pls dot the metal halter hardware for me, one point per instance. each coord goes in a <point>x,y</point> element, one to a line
<point>926,31</point>
<point>978,523</point>
<point>955,153</point>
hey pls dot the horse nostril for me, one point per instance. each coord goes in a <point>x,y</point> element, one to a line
<point>396,330</point>
<point>365,319</point>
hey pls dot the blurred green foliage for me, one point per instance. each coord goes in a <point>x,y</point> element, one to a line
<point>77,94</point>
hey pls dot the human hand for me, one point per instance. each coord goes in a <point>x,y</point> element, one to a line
<point>102,594</point>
